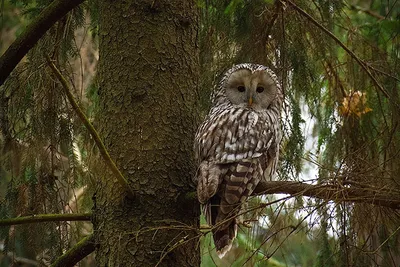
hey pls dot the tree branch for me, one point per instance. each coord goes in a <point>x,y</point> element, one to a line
<point>18,49</point>
<point>272,22</point>
<point>20,261</point>
<point>37,218</point>
<point>367,11</point>
<point>75,254</point>
<point>334,192</point>
<point>351,53</point>
<point>103,150</point>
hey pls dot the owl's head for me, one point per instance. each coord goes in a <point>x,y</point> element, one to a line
<point>250,86</point>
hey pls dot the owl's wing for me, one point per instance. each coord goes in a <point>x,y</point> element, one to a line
<point>227,138</point>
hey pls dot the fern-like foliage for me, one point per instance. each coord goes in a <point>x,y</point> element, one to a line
<point>43,164</point>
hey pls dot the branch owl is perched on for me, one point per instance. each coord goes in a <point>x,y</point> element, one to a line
<point>237,145</point>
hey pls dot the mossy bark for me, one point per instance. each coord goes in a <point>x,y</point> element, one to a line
<point>148,71</point>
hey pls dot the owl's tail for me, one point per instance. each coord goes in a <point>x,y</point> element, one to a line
<point>222,209</point>
<point>223,238</point>
<point>225,230</point>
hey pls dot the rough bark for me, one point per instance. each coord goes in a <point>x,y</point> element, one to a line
<point>148,72</point>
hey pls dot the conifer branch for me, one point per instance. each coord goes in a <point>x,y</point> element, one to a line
<point>367,11</point>
<point>37,218</point>
<point>20,47</point>
<point>96,137</point>
<point>331,35</point>
<point>78,252</point>
<point>334,192</point>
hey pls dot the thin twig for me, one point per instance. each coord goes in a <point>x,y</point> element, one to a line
<point>37,218</point>
<point>103,151</point>
<point>384,73</point>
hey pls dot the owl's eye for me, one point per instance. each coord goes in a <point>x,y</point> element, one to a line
<point>241,88</point>
<point>260,89</point>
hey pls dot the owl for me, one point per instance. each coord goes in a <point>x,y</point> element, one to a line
<point>237,146</point>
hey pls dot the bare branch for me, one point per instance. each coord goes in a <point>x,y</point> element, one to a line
<point>18,49</point>
<point>37,218</point>
<point>75,254</point>
<point>102,148</point>
<point>334,192</point>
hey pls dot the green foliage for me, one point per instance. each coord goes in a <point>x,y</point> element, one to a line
<point>41,165</point>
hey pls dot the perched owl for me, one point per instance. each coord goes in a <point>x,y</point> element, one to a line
<point>237,145</point>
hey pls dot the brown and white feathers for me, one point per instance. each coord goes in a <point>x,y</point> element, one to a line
<point>237,145</point>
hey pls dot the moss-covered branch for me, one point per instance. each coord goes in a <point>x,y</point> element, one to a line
<point>18,49</point>
<point>96,137</point>
<point>335,192</point>
<point>46,218</point>
<point>76,253</point>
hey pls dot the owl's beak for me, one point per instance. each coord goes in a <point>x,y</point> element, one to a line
<point>250,101</point>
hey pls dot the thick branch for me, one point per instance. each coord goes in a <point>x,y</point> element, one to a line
<point>46,218</point>
<point>18,49</point>
<point>76,253</point>
<point>338,193</point>
<point>96,137</point>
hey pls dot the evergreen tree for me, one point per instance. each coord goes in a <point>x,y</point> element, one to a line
<point>123,187</point>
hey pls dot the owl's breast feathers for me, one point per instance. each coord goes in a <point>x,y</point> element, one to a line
<point>232,134</point>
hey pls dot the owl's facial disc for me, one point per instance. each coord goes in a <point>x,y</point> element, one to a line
<point>255,90</point>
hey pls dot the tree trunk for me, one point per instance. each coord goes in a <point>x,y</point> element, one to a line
<point>148,72</point>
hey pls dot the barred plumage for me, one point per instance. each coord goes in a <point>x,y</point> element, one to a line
<point>237,145</point>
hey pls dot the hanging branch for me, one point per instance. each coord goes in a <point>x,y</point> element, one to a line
<point>351,53</point>
<point>272,21</point>
<point>103,151</point>
<point>20,47</point>
<point>334,192</point>
<point>37,218</point>
<point>75,254</point>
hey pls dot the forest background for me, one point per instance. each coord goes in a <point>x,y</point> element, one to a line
<point>99,102</point>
